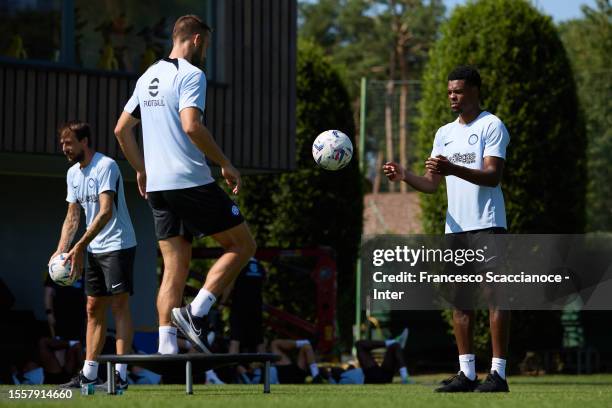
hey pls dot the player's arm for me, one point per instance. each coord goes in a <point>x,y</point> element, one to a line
<point>127,141</point>
<point>203,140</point>
<point>69,228</point>
<point>99,222</point>
<point>427,183</point>
<point>489,176</point>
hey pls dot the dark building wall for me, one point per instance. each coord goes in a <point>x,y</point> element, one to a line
<point>33,210</point>
<point>250,106</point>
<point>250,111</point>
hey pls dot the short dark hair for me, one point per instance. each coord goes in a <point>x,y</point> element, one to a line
<point>80,129</point>
<point>467,73</point>
<point>189,25</point>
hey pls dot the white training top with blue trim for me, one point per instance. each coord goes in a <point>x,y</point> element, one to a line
<point>172,161</point>
<point>85,185</point>
<point>470,206</point>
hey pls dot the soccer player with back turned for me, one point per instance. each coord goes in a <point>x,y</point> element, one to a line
<point>470,153</point>
<point>169,101</point>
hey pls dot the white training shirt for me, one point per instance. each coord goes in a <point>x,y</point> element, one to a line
<point>85,186</point>
<point>470,206</point>
<point>172,161</point>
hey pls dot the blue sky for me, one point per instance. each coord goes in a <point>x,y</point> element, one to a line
<point>560,10</point>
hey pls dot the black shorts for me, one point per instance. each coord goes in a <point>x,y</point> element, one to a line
<point>377,375</point>
<point>291,374</point>
<point>195,211</point>
<point>477,240</point>
<point>470,296</point>
<point>110,273</point>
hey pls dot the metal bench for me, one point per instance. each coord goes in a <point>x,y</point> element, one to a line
<point>199,360</point>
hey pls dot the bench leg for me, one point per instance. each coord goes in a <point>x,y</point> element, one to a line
<point>267,377</point>
<point>188,378</point>
<point>110,378</point>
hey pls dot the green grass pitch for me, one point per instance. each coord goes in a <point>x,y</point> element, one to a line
<point>554,391</point>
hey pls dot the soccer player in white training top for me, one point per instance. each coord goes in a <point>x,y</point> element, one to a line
<point>94,183</point>
<point>169,101</point>
<point>470,154</point>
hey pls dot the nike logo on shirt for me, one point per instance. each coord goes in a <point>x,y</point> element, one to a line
<point>118,284</point>
<point>447,143</point>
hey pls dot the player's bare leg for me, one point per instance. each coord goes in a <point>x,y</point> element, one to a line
<point>46,354</point>
<point>192,320</point>
<point>280,347</point>
<point>176,252</point>
<point>239,247</point>
<point>96,334</point>
<point>465,380</point>
<point>306,357</point>
<point>96,326</point>
<point>499,322</point>
<point>120,305</point>
<point>463,327</point>
<point>307,360</point>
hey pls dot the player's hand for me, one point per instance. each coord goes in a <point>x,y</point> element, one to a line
<point>232,177</point>
<point>394,171</point>
<point>75,256</point>
<point>439,165</point>
<point>141,179</point>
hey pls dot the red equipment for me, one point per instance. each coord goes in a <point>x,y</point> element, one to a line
<point>324,276</point>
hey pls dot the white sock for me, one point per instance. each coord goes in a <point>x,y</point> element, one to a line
<point>314,369</point>
<point>167,340</point>
<point>403,373</point>
<point>467,364</point>
<point>122,370</point>
<point>499,365</point>
<point>90,369</point>
<point>390,342</point>
<point>301,343</point>
<point>202,303</point>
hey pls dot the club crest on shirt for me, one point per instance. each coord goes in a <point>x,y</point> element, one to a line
<point>89,194</point>
<point>473,139</point>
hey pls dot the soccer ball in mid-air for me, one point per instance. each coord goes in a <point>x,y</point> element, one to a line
<point>60,273</point>
<point>332,150</point>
